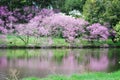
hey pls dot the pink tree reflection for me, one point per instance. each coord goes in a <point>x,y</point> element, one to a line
<point>69,63</point>
<point>99,64</point>
<point>3,62</point>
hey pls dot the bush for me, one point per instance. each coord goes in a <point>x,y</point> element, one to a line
<point>117,29</point>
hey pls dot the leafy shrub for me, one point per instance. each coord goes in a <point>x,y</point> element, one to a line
<point>117,29</point>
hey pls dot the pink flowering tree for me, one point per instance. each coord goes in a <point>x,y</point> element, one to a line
<point>48,23</point>
<point>6,17</point>
<point>34,27</point>
<point>26,31</point>
<point>6,21</point>
<point>25,13</point>
<point>97,31</point>
<point>66,26</point>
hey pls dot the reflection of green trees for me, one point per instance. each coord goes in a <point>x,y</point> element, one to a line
<point>84,54</point>
<point>19,53</point>
<point>114,56</point>
<point>81,55</point>
<point>59,54</point>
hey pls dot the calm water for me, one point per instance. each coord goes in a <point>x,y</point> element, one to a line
<point>43,62</point>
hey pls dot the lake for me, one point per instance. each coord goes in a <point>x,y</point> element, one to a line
<point>44,62</point>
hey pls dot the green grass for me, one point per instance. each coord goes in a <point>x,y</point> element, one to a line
<point>85,76</point>
<point>59,42</point>
<point>44,41</point>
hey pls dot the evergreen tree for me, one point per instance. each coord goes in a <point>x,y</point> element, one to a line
<point>93,10</point>
<point>102,11</point>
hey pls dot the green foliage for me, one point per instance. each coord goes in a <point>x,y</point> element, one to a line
<point>12,4</point>
<point>58,4</point>
<point>112,11</point>
<point>74,4</point>
<point>102,11</point>
<point>117,29</point>
<point>93,10</point>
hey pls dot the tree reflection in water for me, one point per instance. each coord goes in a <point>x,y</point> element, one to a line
<point>44,62</point>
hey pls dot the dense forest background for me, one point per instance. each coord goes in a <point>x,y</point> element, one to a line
<point>93,10</point>
<point>103,17</point>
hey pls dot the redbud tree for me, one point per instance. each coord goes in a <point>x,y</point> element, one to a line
<point>69,27</point>
<point>97,32</point>
<point>34,27</point>
<point>6,21</point>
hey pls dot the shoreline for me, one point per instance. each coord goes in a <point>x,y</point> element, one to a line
<point>56,47</point>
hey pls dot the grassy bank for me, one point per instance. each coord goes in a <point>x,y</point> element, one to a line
<point>54,42</point>
<point>86,76</point>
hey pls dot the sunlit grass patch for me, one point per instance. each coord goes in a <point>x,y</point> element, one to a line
<point>85,76</point>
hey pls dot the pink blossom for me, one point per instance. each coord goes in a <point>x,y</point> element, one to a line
<point>97,31</point>
<point>70,27</point>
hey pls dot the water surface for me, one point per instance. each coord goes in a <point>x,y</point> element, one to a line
<point>43,62</point>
